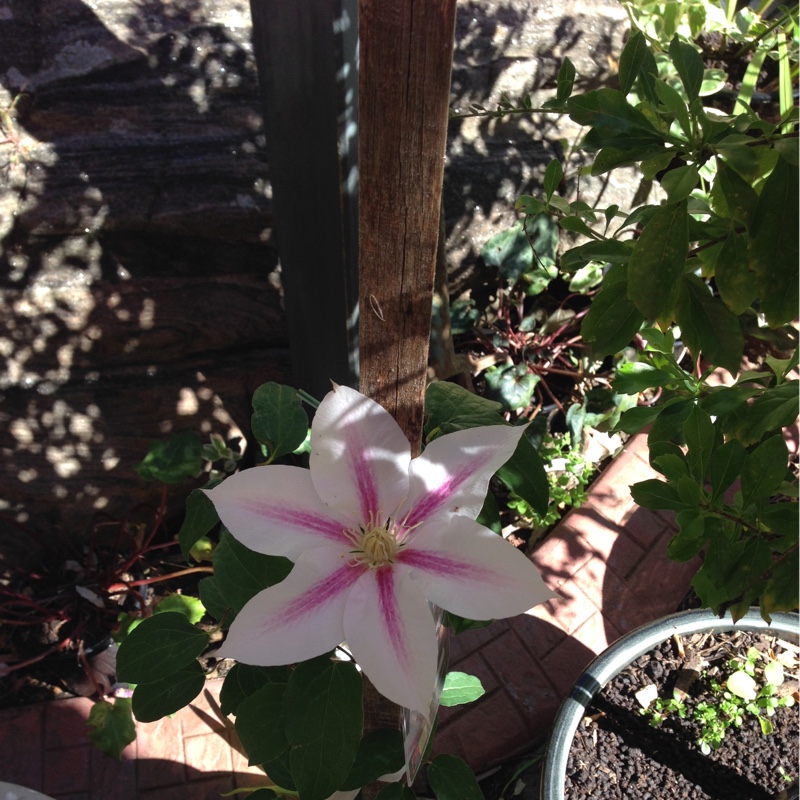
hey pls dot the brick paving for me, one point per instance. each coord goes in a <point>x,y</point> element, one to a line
<point>607,564</point>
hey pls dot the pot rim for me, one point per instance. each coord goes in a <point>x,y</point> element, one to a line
<point>608,664</point>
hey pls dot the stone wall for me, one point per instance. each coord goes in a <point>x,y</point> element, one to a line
<point>138,271</point>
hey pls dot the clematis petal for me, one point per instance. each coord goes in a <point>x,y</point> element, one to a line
<point>452,474</point>
<point>359,455</point>
<point>275,510</point>
<point>390,630</point>
<point>297,619</point>
<point>471,571</point>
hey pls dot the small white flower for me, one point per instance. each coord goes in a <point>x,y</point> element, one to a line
<point>376,537</point>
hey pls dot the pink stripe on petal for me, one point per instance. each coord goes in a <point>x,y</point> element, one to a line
<point>431,502</point>
<point>444,565</point>
<point>391,615</point>
<point>365,480</point>
<point>326,589</point>
<point>327,526</point>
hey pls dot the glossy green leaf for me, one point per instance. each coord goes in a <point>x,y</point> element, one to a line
<point>708,326</point>
<point>160,698</point>
<point>657,263</point>
<point>725,467</point>
<point>111,726</point>
<point>396,791</point>
<point>451,779</point>
<point>698,433</point>
<point>654,493</point>
<point>635,376</point>
<point>460,688</point>
<point>608,251</point>
<point>672,466</point>
<point>609,158</point>
<point>613,320</point>
<point>633,420</point>
<point>246,679</point>
<point>614,121</point>
<point>631,60</point>
<point>524,474</point>
<point>565,80</point>
<point>552,177</point>
<point>723,399</point>
<point>781,590</point>
<point>449,408</point>
<point>764,469</point>
<point>511,385</point>
<point>200,518</point>
<point>782,518</point>
<point>679,183</point>
<point>214,601</point>
<point>691,538</point>
<point>732,196</point>
<point>379,753</point>
<point>668,425</point>
<point>675,104</point>
<point>279,420</point>
<point>191,607</point>
<point>775,409</point>
<point>737,286</point>
<point>689,65</point>
<point>260,723</point>
<point>242,573</point>
<point>158,646</point>
<point>175,460</point>
<point>509,251</point>
<point>324,715</point>
<point>774,244</point>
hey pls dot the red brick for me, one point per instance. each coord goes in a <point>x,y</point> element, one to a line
<point>662,583</point>
<point>65,722</point>
<point>564,664</point>
<point>485,734</point>
<point>111,777</point>
<point>540,629</point>
<point>572,609</point>
<point>200,789</point>
<point>607,590</point>
<point>22,745</point>
<point>561,553</point>
<point>475,665</point>
<point>160,749</point>
<point>462,644</point>
<point>66,769</point>
<point>607,541</point>
<point>646,527</point>
<point>208,753</point>
<point>204,714</point>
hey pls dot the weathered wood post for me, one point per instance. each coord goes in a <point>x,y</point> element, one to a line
<point>406,52</point>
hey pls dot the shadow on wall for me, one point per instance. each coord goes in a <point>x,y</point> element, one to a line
<point>516,47</point>
<point>137,274</point>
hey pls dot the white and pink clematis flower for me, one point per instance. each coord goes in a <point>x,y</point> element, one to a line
<point>376,537</point>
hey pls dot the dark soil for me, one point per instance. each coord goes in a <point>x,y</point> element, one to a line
<point>617,753</point>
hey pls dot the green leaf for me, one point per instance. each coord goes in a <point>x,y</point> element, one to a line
<point>689,65</point>
<point>764,469</point>
<point>633,420</point>
<point>260,723</point>
<point>201,517</point>
<point>489,515</point>
<point>396,791</point>
<point>510,252</point>
<point>451,779</point>
<point>565,80</point>
<point>152,701</point>
<point>725,467</point>
<point>680,182</point>
<point>323,725</point>
<point>614,121</point>
<point>242,573</point>
<point>246,679</point>
<point>608,251</point>
<point>668,426</point>
<point>708,326</point>
<point>781,590</point>
<point>654,493</point>
<point>279,421</point>
<point>631,60</point>
<point>111,726</point>
<point>552,177</point>
<point>775,409</point>
<point>774,244</point>
<point>512,385</point>
<point>158,646</point>
<point>781,518</point>
<point>379,753</point>
<point>461,624</point>
<point>449,407</point>
<point>671,465</point>
<point>736,284</point>
<point>609,158</point>
<point>191,607</point>
<point>173,461</point>
<point>613,320</point>
<point>214,601</point>
<point>460,688</point>
<point>657,263</point>
<point>698,434</point>
<point>732,196</point>
<point>691,538</point>
<point>524,474</point>
<point>676,105</point>
<point>724,399</point>
<point>635,376</point>
<point>576,225</point>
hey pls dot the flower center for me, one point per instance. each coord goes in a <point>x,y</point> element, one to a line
<point>374,544</point>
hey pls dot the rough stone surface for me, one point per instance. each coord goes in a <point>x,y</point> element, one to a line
<point>133,177</point>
